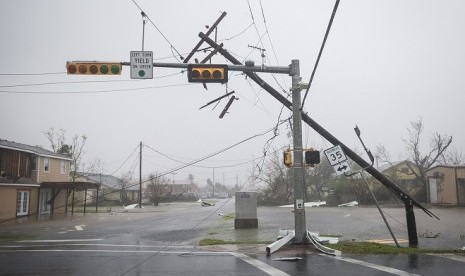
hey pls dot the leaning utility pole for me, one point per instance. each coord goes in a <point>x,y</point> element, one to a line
<point>408,201</point>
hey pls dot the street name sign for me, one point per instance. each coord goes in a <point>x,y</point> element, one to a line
<point>141,65</point>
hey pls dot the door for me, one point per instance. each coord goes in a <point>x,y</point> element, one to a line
<point>433,190</point>
<point>461,191</point>
<point>23,203</point>
<point>44,197</point>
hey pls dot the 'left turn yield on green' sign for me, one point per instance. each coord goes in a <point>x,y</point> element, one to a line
<point>141,65</point>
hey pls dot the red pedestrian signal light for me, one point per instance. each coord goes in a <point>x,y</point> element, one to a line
<point>207,73</point>
<point>93,68</point>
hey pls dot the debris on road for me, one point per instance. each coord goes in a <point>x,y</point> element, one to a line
<point>349,204</point>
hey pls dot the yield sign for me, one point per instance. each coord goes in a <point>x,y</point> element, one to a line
<point>141,65</point>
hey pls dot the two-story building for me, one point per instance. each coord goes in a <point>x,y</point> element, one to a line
<point>32,180</point>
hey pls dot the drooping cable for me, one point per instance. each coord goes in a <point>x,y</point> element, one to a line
<point>161,33</point>
<point>333,14</point>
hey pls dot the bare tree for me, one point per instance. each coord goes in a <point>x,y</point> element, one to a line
<point>157,187</point>
<point>382,155</point>
<point>438,146</point>
<point>452,157</point>
<point>124,183</point>
<point>74,150</point>
<point>279,184</point>
<point>56,138</point>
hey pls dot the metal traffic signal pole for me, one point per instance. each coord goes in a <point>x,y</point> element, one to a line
<point>298,167</point>
<point>408,201</point>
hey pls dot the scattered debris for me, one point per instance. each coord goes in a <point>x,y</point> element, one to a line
<point>132,206</point>
<point>324,239</point>
<point>349,204</point>
<point>205,203</point>
<point>429,235</point>
<point>462,237</point>
<point>307,204</point>
<point>288,259</point>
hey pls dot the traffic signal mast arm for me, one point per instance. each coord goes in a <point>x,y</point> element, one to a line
<point>241,68</point>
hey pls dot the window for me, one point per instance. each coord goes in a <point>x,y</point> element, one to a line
<point>63,167</point>
<point>34,163</point>
<point>404,170</point>
<point>46,164</point>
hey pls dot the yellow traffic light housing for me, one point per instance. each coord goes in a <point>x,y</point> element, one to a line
<point>216,73</point>
<point>287,158</point>
<point>93,68</point>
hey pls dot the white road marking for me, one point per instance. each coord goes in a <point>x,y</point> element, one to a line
<point>79,227</point>
<point>75,240</point>
<point>387,269</point>
<point>450,256</point>
<point>254,262</point>
<point>118,251</point>
<point>260,265</point>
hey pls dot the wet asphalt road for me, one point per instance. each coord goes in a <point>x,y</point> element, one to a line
<point>164,241</point>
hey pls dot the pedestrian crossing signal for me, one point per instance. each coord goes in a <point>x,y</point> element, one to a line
<point>312,157</point>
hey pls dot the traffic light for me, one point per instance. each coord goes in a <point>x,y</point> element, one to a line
<point>93,68</point>
<point>287,158</point>
<point>312,157</point>
<point>217,73</point>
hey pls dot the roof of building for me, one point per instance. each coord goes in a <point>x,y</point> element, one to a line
<point>389,166</point>
<point>15,180</point>
<point>31,149</point>
<point>446,166</point>
<point>109,181</point>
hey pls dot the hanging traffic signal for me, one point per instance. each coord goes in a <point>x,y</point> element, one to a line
<point>217,73</point>
<point>287,158</point>
<point>312,157</point>
<point>93,68</point>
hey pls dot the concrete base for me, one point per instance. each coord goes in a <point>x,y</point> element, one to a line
<point>245,223</point>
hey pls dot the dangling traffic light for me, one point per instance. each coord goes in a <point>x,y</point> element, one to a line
<point>93,68</point>
<point>207,73</point>
<point>312,157</point>
<point>287,154</point>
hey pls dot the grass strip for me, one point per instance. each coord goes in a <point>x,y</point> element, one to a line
<point>350,247</point>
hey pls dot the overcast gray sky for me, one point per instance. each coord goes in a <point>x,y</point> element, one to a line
<point>386,63</point>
